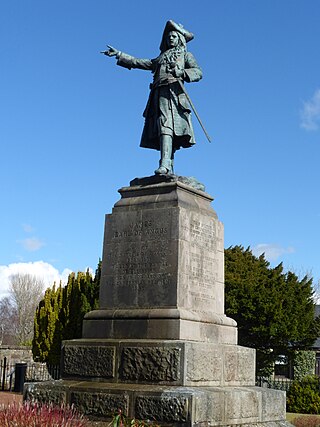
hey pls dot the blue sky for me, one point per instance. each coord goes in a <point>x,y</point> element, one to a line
<point>71,122</point>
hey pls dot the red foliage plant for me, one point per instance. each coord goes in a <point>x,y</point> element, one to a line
<point>36,415</point>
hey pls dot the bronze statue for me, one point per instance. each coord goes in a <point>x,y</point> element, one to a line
<point>168,124</point>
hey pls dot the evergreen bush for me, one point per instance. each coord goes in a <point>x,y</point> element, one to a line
<point>274,309</point>
<point>60,314</point>
<point>303,396</point>
<point>304,363</point>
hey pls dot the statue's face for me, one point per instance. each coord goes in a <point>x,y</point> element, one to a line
<point>172,39</point>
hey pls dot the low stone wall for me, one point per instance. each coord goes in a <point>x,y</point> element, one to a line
<point>35,371</point>
<point>15,354</point>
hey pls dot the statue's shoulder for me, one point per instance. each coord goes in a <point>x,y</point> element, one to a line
<point>189,56</point>
<point>190,60</point>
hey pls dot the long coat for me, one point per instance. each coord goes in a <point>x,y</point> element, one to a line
<point>167,110</point>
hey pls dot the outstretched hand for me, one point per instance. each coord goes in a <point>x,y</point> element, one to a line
<point>111,51</point>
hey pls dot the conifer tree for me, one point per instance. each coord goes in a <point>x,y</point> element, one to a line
<point>60,314</point>
<point>45,324</point>
<point>274,310</point>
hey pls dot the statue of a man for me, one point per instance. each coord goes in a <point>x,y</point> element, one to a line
<point>167,115</point>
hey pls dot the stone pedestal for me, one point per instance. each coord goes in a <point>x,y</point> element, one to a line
<point>160,346</point>
<point>163,268</point>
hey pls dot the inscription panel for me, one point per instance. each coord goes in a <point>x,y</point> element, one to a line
<point>202,238</point>
<point>202,277</point>
<point>202,234</point>
<point>140,260</point>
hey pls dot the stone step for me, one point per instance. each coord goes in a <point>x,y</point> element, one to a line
<point>181,406</point>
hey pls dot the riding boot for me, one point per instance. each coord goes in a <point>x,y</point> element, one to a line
<point>164,167</point>
<point>165,164</point>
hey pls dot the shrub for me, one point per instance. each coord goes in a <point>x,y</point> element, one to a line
<point>306,421</point>
<point>303,396</point>
<point>36,415</point>
<point>121,420</point>
<point>304,363</point>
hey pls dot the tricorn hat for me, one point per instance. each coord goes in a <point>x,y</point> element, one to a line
<point>173,26</point>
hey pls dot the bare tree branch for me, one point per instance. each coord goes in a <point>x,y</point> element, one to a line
<point>26,291</point>
<point>8,322</point>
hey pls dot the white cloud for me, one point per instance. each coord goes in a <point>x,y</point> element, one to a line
<point>32,244</point>
<point>41,269</point>
<point>310,114</point>
<point>271,251</point>
<point>28,228</point>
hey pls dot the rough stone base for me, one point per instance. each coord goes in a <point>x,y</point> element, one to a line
<point>162,362</point>
<point>180,406</point>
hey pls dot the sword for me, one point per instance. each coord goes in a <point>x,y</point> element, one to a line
<point>194,109</point>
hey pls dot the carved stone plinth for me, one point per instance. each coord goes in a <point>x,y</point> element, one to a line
<point>178,363</point>
<point>160,347</point>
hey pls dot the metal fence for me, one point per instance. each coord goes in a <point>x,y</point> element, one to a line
<point>34,372</point>
<point>277,384</point>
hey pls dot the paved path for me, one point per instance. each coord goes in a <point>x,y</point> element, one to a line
<point>9,397</point>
